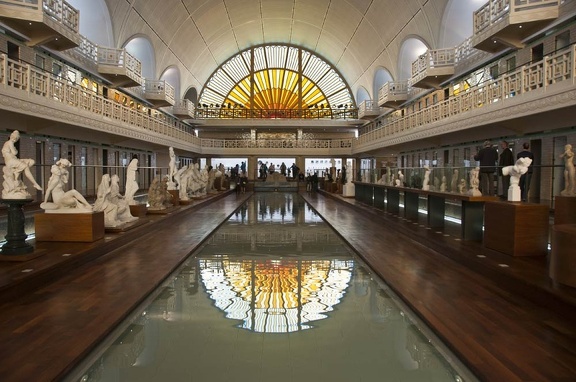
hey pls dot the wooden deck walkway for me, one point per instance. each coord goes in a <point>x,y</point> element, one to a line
<point>506,324</point>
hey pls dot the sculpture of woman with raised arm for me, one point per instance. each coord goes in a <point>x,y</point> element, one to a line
<point>13,187</point>
<point>569,176</point>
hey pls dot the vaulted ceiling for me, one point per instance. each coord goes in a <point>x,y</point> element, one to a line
<point>356,36</point>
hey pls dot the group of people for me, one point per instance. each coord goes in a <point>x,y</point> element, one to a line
<point>266,169</point>
<point>490,161</point>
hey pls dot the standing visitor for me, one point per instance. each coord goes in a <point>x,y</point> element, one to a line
<point>506,159</point>
<point>525,178</point>
<point>487,156</point>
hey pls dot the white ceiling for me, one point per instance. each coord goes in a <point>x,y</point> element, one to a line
<point>356,36</point>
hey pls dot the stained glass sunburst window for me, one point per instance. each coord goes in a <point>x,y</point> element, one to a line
<point>276,77</point>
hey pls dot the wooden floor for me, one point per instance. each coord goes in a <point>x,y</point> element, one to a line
<point>506,323</point>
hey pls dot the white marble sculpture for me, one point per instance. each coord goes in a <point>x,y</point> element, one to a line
<point>184,183</point>
<point>443,184</point>
<point>426,182</point>
<point>436,184</point>
<point>124,214</point>
<point>462,186</point>
<point>569,175</point>
<point>195,181</point>
<point>210,189</point>
<point>131,182</point>
<point>171,169</point>
<point>382,180</point>
<point>454,181</point>
<point>401,178</point>
<point>104,203</point>
<point>13,187</point>
<point>70,201</point>
<point>158,196</point>
<point>515,172</point>
<point>474,182</point>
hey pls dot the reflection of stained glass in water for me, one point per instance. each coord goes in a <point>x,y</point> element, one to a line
<point>276,296</point>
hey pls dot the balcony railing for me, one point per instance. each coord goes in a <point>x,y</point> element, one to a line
<point>118,61</point>
<point>27,78</point>
<point>393,93</point>
<point>159,92</point>
<point>434,63</point>
<point>211,112</point>
<point>277,143</point>
<point>368,109</point>
<point>183,108</point>
<point>553,69</point>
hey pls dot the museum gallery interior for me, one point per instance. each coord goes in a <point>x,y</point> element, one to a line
<point>259,190</point>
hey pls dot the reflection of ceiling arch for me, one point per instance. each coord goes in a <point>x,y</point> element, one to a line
<point>280,77</point>
<point>141,48</point>
<point>95,23</point>
<point>410,50</point>
<point>276,295</point>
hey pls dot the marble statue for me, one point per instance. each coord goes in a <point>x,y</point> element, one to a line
<point>515,172</point>
<point>462,186</point>
<point>124,214</point>
<point>13,187</point>
<point>131,182</point>
<point>210,189</point>
<point>443,184</point>
<point>569,176</point>
<point>474,182</point>
<point>454,181</point>
<point>426,182</point>
<point>171,169</point>
<point>104,204</point>
<point>70,201</point>
<point>158,195</point>
<point>401,178</point>
<point>185,173</point>
<point>382,180</point>
<point>195,180</point>
<point>436,184</point>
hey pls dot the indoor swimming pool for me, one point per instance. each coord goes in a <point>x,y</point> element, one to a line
<point>273,295</point>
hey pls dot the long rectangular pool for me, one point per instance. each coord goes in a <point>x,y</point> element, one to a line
<point>273,295</point>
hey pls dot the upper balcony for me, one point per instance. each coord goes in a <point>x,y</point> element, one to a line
<point>368,109</point>
<point>50,23</point>
<point>183,108</point>
<point>502,24</point>
<point>119,67</point>
<point>159,93</point>
<point>393,94</point>
<point>432,68</point>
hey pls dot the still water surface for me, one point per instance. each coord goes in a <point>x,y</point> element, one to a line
<point>274,295</point>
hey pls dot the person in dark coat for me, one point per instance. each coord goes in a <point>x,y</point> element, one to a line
<point>525,178</point>
<point>506,159</point>
<point>488,157</point>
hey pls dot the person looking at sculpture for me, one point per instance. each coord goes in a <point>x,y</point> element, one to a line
<point>487,156</point>
<point>569,172</point>
<point>506,159</point>
<point>527,176</point>
<point>16,166</point>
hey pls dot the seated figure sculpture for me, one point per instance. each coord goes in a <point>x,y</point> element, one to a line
<point>13,187</point>
<point>70,201</point>
<point>117,199</point>
<point>156,195</point>
<point>515,172</point>
<point>104,203</point>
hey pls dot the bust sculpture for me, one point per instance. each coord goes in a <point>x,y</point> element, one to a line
<point>13,187</point>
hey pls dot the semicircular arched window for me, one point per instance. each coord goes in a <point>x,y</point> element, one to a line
<point>276,77</point>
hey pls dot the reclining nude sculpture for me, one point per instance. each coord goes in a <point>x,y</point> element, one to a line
<point>13,187</point>
<point>70,201</point>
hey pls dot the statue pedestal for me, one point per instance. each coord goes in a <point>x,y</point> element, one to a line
<point>80,227</point>
<point>16,236</point>
<point>349,190</point>
<point>175,197</point>
<point>563,257</point>
<point>516,229</point>
<point>138,210</point>
<point>564,209</point>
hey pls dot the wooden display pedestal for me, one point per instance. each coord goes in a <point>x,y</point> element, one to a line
<point>516,229</point>
<point>138,210</point>
<point>563,257</point>
<point>81,227</point>
<point>175,197</point>
<point>186,202</point>
<point>564,209</point>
